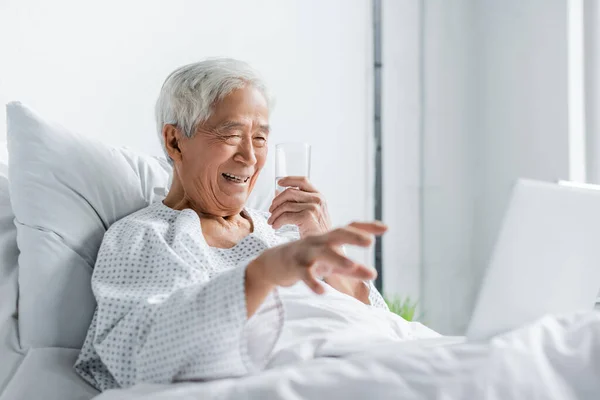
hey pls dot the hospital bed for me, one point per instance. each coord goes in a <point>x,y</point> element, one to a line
<point>45,269</point>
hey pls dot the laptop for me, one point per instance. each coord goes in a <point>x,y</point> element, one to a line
<point>546,259</point>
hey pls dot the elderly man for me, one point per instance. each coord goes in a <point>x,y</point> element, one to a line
<point>199,287</point>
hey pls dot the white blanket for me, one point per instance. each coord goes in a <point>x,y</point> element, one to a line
<point>554,358</point>
<point>334,325</point>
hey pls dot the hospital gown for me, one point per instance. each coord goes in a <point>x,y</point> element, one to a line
<point>172,308</point>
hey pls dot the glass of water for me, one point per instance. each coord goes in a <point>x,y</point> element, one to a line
<point>291,159</point>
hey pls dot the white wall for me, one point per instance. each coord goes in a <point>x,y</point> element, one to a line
<point>523,128</point>
<point>496,110</point>
<point>449,108</point>
<point>592,82</point>
<point>401,129</point>
<point>428,99</point>
<point>97,67</point>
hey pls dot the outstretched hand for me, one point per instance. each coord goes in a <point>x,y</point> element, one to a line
<point>309,258</point>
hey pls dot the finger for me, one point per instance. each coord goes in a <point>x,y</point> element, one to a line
<point>348,235</point>
<point>289,218</point>
<point>313,284</point>
<point>375,227</point>
<point>281,197</point>
<point>291,208</point>
<point>335,260</point>
<point>322,270</point>
<point>359,271</point>
<point>300,182</point>
<point>277,193</point>
<point>294,196</point>
<point>275,202</point>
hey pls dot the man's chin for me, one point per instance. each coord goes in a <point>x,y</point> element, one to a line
<point>236,202</point>
<point>235,198</point>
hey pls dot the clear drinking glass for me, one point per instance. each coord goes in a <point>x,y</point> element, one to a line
<point>291,159</point>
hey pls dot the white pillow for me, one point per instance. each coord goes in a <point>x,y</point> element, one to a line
<point>10,356</point>
<point>66,190</point>
<point>8,253</point>
<point>3,159</point>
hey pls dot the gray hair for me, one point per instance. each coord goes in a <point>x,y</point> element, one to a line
<point>190,92</point>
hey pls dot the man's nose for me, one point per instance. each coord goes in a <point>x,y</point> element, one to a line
<point>246,153</point>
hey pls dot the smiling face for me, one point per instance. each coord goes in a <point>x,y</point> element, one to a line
<point>218,166</point>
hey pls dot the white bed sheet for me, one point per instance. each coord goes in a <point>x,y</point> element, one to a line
<point>555,358</point>
<point>47,373</point>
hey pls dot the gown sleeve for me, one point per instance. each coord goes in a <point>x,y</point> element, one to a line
<point>162,314</point>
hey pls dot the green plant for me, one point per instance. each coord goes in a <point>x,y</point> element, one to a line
<point>404,307</point>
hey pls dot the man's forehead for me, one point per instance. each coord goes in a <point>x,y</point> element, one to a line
<point>241,123</point>
<point>247,107</point>
<point>241,113</point>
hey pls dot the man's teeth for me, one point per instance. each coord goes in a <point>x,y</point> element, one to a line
<point>236,178</point>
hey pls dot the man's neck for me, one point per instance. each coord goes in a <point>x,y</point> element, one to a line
<point>177,200</point>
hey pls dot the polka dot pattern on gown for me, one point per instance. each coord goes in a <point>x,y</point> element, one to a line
<point>170,307</point>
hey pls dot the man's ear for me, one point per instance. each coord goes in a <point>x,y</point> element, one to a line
<point>172,137</point>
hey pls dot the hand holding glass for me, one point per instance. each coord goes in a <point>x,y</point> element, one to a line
<point>291,159</point>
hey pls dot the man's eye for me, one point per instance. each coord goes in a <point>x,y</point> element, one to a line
<point>260,141</point>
